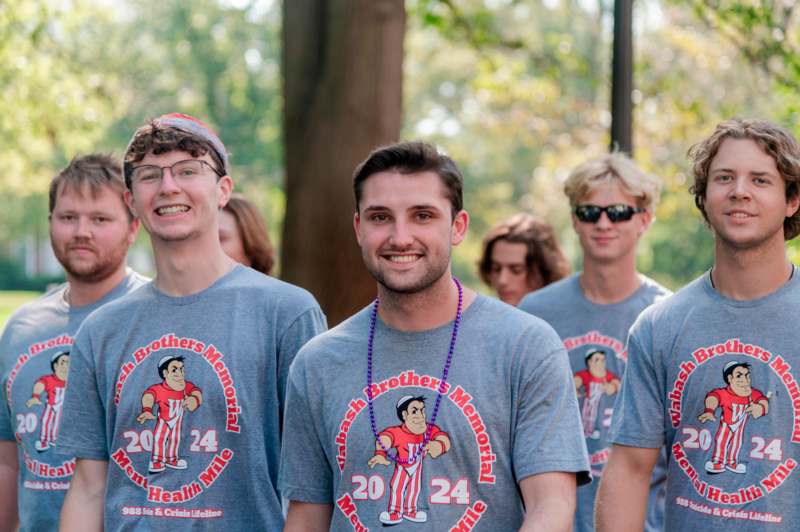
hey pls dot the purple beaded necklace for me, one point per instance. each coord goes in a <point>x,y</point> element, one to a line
<point>427,437</point>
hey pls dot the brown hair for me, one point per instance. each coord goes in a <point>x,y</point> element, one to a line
<point>412,158</point>
<point>156,138</point>
<point>540,239</point>
<point>773,139</point>
<point>253,231</point>
<point>97,170</point>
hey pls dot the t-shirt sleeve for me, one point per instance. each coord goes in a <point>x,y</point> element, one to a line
<point>305,327</point>
<point>82,432</point>
<point>638,419</point>
<point>191,388</point>
<point>548,436</point>
<point>6,426</point>
<point>305,473</point>
<point>389,433</point>
<point>716,394</point>
<point>6,356</point>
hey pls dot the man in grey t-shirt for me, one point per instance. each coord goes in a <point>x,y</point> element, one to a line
<point>613,202</point>
<point>711,369</point>
<point>433,408</point>
<point>176,391</point>
<point>91,229</point>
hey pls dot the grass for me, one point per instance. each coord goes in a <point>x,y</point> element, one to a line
<point>11,300</point>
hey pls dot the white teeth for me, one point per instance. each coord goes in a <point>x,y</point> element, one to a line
<point>403,258</point>
<point>173,209</point>
<point>740,215</point>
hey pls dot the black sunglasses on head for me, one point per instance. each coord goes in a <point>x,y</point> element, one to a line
<point>616,213</point>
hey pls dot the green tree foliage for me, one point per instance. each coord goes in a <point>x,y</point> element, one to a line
<point>518,117</point>
<point>212,59</point>
<point>82,76</point>
<point>54,105</point>
<point>517,91</point>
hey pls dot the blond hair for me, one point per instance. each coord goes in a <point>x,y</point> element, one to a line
<point>584,179</point>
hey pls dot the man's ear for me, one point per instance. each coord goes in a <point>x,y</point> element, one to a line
<point>645,221</point>
<point>357,226</point>
<point>133,230</point>
<point>224,190</point>
<point>792,204</point>
<point>128,197</point>
<point>459,227</point>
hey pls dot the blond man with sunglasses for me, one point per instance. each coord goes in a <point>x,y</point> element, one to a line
<point>612,203</point>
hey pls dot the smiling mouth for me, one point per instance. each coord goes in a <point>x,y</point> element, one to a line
<point>172,209</point>
<point>402,259</point>
<point>740,215</point>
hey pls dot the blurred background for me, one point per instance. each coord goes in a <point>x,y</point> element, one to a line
<point>516,91</point>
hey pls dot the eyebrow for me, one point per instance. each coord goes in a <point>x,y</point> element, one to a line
<point>421,207</point>
<point>731,171</point>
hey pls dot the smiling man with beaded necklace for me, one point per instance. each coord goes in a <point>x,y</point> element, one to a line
<point>502,443</point>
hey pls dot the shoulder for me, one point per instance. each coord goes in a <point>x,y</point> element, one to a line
<point>496,319</point>
<point>284,296</point>
<point>155,390</point>
<point>121,307</point>
<point>720,393</point>
<point>652,290</point>
<point>673,309</point>
<point>339,344</point>
<point>31,312</point>
<point>555,293</point>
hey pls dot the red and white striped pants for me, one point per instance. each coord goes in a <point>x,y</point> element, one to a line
<point>404,488</point>
<point>51,417</point>
<point>728,442</point>
<point>167,439</point>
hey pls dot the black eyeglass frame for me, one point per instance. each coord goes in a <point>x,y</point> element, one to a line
<point>171,168</point>
<point>618,212</point>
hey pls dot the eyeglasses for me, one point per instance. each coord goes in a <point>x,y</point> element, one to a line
<point>616,213</point>
<point>184,172</point>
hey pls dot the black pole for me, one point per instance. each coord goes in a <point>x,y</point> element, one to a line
<point>622,78</point>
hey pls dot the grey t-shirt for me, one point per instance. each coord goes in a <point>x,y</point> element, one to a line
<point>183,396</point>
<point>715,379</point>
<point>509,411</point>
<point>595,335</point>
<point>34,357</point>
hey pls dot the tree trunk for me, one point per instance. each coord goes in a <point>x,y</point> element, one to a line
<point>342,86</point>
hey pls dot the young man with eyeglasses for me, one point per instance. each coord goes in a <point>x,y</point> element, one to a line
<point>200,449</point>
<point>488,434</point>
<point>612,204</point>
<point>713,369</point>
<point>91,230</point>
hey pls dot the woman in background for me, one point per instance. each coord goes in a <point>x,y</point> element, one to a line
<point>521,255</point>
<point>243,235</point>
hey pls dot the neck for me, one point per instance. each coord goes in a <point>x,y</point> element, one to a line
<point>188,267</point>
<point>607,283</point>
<point>431,308</point>
<point>82,293</point>
<point>750,274</point>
